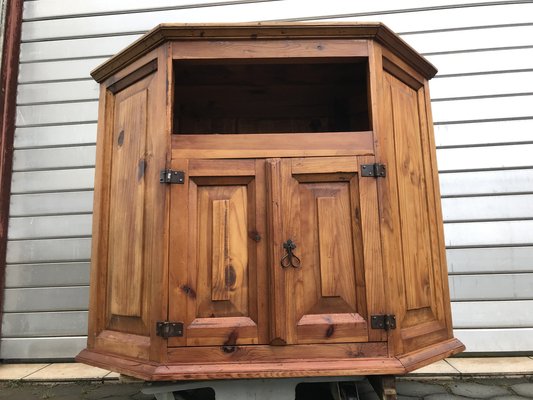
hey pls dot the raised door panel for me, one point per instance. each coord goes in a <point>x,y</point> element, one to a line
<point>127,272</point>
<point>215,252</point>
<point>417,269</point>
<point>319,287</point>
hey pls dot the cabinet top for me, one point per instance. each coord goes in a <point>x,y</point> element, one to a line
<point>268,31</point>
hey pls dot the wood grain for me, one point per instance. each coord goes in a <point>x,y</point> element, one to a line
<point>350,40</point>
<point>325,300</point>
<point>272,145</point>
<point>240,370</point>
<point>217,298</point>
<point>412,188</point>
<point>127,344</point>
<point>126,224</point>
<point>271,136</point>
<point>328,246</point>
<point>220,259</point>
<point>419,306</point>
<point>99,243</point>
<point>128,180</point>
<point>261,353</point>
<point>277,294</point>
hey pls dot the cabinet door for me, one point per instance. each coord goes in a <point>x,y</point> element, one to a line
<point>217,252</point>
<point>325,292</point>
<point>410,205</point>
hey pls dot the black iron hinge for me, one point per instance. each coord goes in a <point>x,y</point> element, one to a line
<point>167,329</point>
<point>374,170</point>
<point>386,322</point>
<point>171,176</point>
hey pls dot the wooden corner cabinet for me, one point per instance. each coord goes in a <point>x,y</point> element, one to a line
<point>267,205</point>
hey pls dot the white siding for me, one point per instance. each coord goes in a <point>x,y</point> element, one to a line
<point>483,114</point>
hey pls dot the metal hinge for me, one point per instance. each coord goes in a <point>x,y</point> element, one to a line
<point>171,176</point>
<point>374,170</point>
<point>383,322</point>
<point>167,329</point>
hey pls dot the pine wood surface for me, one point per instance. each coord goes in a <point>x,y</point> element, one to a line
<point>269,158</point>
<point>194,33</point>
<point>272,145</point>
<point>288,367</point>
<point>419,308</point>
<point>126,186</point>
<point>221,300</point>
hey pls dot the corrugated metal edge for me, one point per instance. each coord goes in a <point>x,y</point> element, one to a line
<point>8,85</point>
<point>354,30</point>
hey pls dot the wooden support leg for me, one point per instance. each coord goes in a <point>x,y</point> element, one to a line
<point>384,386</point>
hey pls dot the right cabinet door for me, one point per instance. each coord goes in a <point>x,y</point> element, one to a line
<point>410,209</point>
<point>325,258</point>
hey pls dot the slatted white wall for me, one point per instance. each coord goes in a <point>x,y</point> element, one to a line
<point>483,112</point>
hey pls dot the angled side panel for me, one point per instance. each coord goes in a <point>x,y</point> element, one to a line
<point>128,254</point>
<point>411,242</point>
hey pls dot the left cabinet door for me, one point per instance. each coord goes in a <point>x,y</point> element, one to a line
<point>217,277</point>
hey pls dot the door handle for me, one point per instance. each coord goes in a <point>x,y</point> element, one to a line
<point>290,259</point>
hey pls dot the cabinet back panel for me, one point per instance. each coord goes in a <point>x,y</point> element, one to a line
<point>267,97</point>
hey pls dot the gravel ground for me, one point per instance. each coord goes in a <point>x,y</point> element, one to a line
<point>443,388</point>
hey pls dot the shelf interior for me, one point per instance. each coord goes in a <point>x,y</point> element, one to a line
<point>266,96</point>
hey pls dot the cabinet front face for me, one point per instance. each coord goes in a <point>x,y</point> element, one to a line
<point>274,235</point>
<point>273,251</point>
<point>269,256</point>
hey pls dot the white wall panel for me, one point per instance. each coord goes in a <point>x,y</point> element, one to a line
<point>490,260</point>
<point>496,340</point>
<point>49,227</point>
<point>46,299</point>
<point>471,39</point>
<point>491,233</point>
<point>493,314</point>
<point>47,274</point>
<point>56,136</point>
<point>51,203</point>
<point>487,207</point>
<point>483,61</point>
<point>427,19</point>
<point>481,85</point>
<point>482,109</point>
<point>57,70</point>
<point>54,158</point>
<point>74,48</point>
<point>491,287</point>
<point>48,250</point>
<point>484,133</point>
<point>430,19</point>
<point>49,114</point>
<point>486,182</point>
<point>119,24</point>
<point>57,92</point>
<point>45,347</point>
<point>73,323</point>
<point>58,8</point>
<point>48,181</point>
<point>485,157</point>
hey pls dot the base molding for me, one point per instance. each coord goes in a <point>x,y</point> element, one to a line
<point>263,368</point>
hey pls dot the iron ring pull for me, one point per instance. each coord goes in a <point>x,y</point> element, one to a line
<point>289,259</point>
